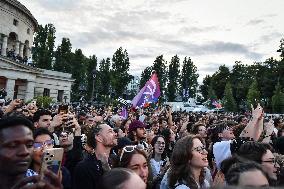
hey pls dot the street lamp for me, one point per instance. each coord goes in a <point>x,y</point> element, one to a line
<point>94,71</point>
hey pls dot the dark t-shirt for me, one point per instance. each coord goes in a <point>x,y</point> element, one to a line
<point>88,173</point>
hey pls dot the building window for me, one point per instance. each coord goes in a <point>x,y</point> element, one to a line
<point>15,22</point>
<point>46,92</point>
<point>60,95</point>
<point>28,31</point>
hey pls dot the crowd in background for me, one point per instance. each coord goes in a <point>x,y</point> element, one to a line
<point>149,148</point>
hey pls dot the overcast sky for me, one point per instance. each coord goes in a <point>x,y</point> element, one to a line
<point>211,32</point>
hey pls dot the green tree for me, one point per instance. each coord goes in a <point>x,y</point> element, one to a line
<point>119,73</point>
<point>79,86</point>
<point>173,78</point>
<point>104,77</point>
<point>228,100</point>
<point>145,76</point>
<point>91,76</point>
<point>240,79</point>
<point>63,56</point>
<point>253,96</point>
<point>278,100</point>
<point>189,77</point>
<point>160,67</point>
<point>281,48</point>
<point>211,93</point>
<point>204,88</point>
<point>219,80</point>
<point>43,51</point>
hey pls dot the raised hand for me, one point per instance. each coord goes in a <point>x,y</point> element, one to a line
<point>51,181</point>
<point>257,113</point>
<point>269,127</point>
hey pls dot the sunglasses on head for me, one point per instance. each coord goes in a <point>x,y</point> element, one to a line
<point>129,149</point>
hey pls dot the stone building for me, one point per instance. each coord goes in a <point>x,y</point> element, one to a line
<point>20,80</point>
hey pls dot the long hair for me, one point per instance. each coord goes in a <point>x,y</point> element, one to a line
<point>180,168</point>
<point>126,158</point>
<point>153,142</point>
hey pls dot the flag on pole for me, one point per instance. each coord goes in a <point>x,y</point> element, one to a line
<point>123,113</point>
<point>148,94</point>
<point>122,101</point>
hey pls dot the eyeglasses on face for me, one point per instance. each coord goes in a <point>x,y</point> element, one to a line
<point>129,149</point>
<point>47,143</point>
<point>65,134</point>
<point>200,149</point>
<point>160,143</point>
<point>272,161</point>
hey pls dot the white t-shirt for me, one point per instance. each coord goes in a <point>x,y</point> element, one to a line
<point>156,166</point>
<point>221,151</point>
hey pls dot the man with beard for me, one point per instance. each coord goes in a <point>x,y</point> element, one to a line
<point>137,133</point>
<point>16,148</point>
<point>88,172</point>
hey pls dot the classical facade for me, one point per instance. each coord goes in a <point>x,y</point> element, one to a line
<point>17,27</point>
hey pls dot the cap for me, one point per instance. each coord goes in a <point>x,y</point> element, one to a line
<point>136,124</point>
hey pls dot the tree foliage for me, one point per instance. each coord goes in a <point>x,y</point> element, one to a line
<point>159,67</point>
<point>79,86</point>
<point>145,76</point>
<point>63,57</point>
<point>119,72</point>
<point>189,77</point>
<point>253,96</point>
<point>104,77</point>
<point>92,76</point>
<point>219,80</point>
<point>173,78</point>
<point>43,51</point>
<point>278,100</point>
<point>228,100</point>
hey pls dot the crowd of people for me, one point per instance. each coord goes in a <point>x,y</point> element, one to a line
<point>149,148</point>
<point>16,57</point>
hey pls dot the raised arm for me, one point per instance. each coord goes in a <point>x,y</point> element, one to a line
<point>255,126</point>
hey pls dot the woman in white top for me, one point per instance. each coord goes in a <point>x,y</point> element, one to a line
<point>159,156</point>
<point>188,163</point>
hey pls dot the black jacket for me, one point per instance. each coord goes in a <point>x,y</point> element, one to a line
<point>88,173</point>
<point>74,156</point>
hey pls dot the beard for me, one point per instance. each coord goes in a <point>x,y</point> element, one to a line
<point>109,142</point>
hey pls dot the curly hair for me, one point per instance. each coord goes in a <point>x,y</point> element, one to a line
<point>180,168</point>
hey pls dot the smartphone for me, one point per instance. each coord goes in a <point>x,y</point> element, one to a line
<point>52,160</point>
<point>63,109</point>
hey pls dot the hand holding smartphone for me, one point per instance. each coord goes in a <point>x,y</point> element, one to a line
<point>51,160</point>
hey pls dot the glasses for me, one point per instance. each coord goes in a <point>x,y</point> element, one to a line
<point>200,149</point>
<point>160,143</point>
<point>272,161</point>
<point>129,149</point>
<point>47,143</point>
<point>65,134</point>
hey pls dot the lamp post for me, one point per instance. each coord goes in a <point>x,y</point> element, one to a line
<point>94,71</point>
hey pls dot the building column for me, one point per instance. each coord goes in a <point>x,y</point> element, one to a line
<point>4,46</point>
<point>29,52</point>
<point>17,50</point>
<point>30,90</point>
<point>10,85</point>
<point>21,50</point>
